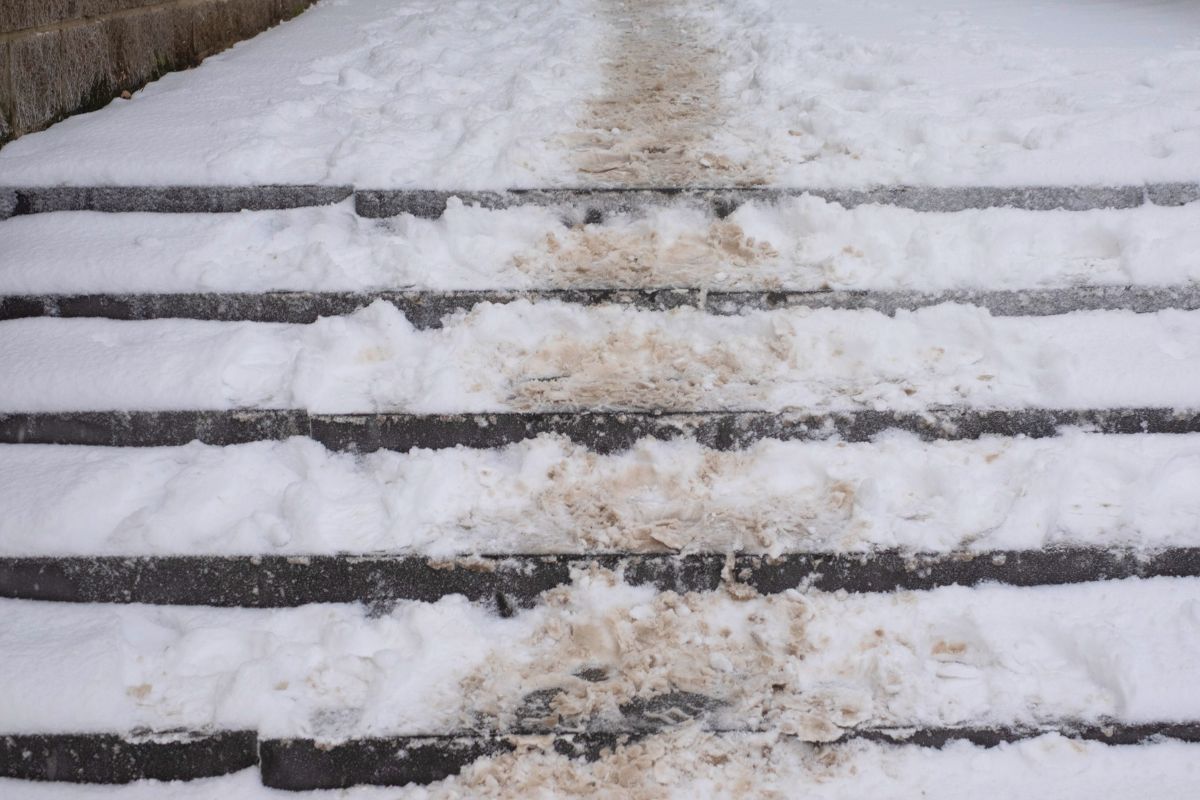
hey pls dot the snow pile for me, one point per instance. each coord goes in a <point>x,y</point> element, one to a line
<point>552,356</point>
<point>425,93</point>
<point>805,664</point>
<point>803,243</point>
<point>548,495</point>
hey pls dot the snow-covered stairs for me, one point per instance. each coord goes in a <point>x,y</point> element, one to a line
<point>565,569</point>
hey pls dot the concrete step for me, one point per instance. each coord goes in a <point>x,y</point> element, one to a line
<point>426,310</point>
<point>509,581</point>
<point>303,764</point>
<point>603,432</point>
<point>593,203</point>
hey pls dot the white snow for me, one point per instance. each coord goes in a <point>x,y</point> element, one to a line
<point>548,495</point>
<point>806,664</point>
<point>556,356</point>
<point>371,92</point>
<point>696,765</point>
<point>481,94</point>
<point>803,243</point>
<point>946,92</point>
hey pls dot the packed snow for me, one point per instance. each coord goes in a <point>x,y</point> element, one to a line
<point>691,763</point>
<point>480,94</point>
<point>549,495</point>
<point>803,243</point>
<point>546,356</point>
<point>805,664</point>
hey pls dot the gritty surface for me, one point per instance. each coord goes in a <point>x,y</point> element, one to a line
<point>661,104</point>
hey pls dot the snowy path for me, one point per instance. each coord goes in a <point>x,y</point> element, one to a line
<point>563,92</point>
<point>745,605</point>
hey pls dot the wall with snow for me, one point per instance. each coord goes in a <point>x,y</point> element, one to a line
<point>60,57</point>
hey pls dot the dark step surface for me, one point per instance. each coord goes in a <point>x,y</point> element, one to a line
<point>590,204</point>
<point>603,432</point>
<point>166,199</point>
<point>110,758</point>
<point>427,309</point>
<point>512,581</point>
<point>303,764</point>
<point>298,765</point>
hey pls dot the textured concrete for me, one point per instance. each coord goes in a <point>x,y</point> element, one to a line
<point>298,764</point>
<point>109,758</point>
<point>594,204</point>
<point>305,764</point>
<point>588,205</point>
<point>510,581</point>
<point>427,309</point>
<point>602,432</point>
<point>60,57</point>
<point>171,199</point>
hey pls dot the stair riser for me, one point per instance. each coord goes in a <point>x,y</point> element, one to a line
<point>426,310</point>
<point>300,764</point>
<point>513,581</point>
<point>588,204</point>
<point>601,432</point>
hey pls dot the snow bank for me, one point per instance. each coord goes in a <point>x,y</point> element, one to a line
<point>691,764</point>
<point>555,356</point>
<point>809,665</point>
<point>803,243</point>
<point>548,495</point>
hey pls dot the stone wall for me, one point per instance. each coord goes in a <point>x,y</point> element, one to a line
<point>62,57</point>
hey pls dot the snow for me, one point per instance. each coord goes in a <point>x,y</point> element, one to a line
<point>479,94</point>
<point>549,495</point>
<point>698,765</point>
<point>808,665</point>
<point>804,243</point>
<point>470,94</point>
<point>945,92</point>
<point>526,356</point>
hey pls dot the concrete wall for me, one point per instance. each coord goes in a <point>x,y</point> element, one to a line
<point>61,57</point>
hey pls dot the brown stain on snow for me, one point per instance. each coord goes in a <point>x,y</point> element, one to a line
<point>666,645</point>
<point>662,105</point>
<point>718,254</point>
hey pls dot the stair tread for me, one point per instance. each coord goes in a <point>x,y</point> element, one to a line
<point>560,357</point>
<point>812,664</point>
<point>549,495</point>
<point>800,244</point>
